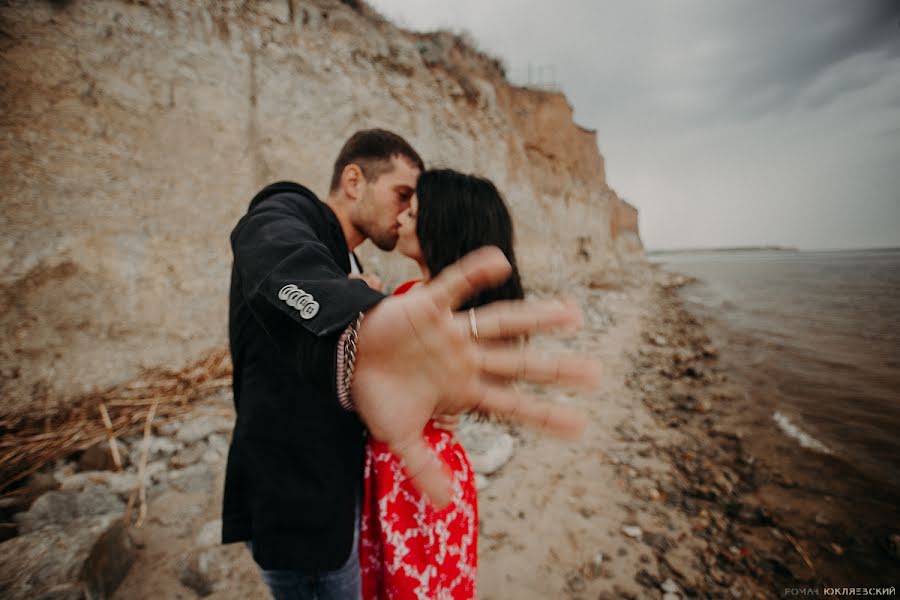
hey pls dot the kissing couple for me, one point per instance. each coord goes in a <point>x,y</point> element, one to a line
<point>344,477</point>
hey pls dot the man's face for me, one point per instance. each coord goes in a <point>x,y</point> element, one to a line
<point>381,202</point>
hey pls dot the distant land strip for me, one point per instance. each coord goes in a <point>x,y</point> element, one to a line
<point>724,249</point>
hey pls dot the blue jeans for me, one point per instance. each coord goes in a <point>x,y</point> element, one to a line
<point>344,583</point>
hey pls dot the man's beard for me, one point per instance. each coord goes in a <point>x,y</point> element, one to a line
<point>385,241</point>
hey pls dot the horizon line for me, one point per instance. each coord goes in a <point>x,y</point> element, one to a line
<point>770,247</point>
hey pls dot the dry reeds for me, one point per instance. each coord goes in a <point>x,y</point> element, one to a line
<point>31,440</point>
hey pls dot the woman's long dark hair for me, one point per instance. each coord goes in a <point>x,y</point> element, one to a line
<point>459,213</point>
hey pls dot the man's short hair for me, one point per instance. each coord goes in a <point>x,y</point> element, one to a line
<point>371,150</point>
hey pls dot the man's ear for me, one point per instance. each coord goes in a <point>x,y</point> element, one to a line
<point>352,181</point>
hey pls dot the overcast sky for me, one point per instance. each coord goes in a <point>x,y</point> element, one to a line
<point>725,123</point>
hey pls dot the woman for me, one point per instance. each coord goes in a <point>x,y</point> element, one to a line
<point>409,549</point>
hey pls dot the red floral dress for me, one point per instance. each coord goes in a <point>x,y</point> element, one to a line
<point>409,549</point>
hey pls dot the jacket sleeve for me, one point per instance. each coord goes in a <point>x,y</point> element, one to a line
<point>295,289</point>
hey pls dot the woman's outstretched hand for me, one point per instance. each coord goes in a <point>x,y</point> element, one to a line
<point>416,358</point>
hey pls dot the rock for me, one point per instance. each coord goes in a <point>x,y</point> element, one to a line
<point>223,396</point>
<point>670,586</point>
<point>632,531</point>
<point>575,583</point>
<point>212,457</point>
<point>189,456</point>
<point>218,449</point>
<point>158,448</point>
<point>196,478</point>
<point>156,472</point>
<point>659,542</point>
<point>120,483</point>
<point>61,507</point>
<point>98,458</point>
<point>694,372</point>
<point>646,579</point>
<point>63,470</point>
<point>37,485</point>
<point>64,591</point>
<point>660,340</point>
<point>683,355</point>
<point>488,447</point>
<point>139,538</point>
<point>210,534</point>
<point>481,482</point>
<point>671,596</point>
<point>204,570</point>
<point>86,558</point>
<point>709,351</point>
<point>627,432</point>
<point>722,482</point>
<point>218,443</point>
<point>685,402</point>
<point>168,429</point>
<point>40,483</point>
<point>182,519</point>
<point>620,593</point>
<point>679,565</point>
<point>201,427</point>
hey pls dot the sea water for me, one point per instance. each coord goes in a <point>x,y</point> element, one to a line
<point>816,333</point>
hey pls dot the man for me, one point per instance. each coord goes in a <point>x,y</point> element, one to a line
<point>309,370</point>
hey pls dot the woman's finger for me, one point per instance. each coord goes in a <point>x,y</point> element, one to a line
<point>508,362</point>
<point>505,402</point>
<point>513,318</point>
<point>427,472</point>
<point>482,269</point>
<point>447,422</point>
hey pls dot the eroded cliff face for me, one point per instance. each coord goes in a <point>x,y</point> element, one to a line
<point>623,229</point>
<point>135,133</point>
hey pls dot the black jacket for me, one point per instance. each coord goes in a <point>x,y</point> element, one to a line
<point>296,456</point>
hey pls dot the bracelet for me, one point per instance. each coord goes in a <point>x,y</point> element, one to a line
<point>346,362</point>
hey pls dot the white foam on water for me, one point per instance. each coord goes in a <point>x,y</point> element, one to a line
<point>791,430</point>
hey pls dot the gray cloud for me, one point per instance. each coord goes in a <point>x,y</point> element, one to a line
<point>785,48</point>
<point>744,122</point>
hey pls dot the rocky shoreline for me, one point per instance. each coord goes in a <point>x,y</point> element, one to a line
<point>767,525</point>
<point>78,523</point>
<point>670,495</point>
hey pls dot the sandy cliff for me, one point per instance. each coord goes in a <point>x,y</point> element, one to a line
<point>135,133</point>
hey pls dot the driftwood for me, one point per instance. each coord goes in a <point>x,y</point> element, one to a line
<point>111,437</point>
<point>31,440</point>
<point>140,489</point>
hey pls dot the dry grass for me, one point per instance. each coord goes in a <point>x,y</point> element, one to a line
<point>31,440</point>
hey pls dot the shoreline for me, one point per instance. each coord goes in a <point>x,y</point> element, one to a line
<point>800,519</point>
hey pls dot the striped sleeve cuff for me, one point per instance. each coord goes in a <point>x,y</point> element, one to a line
<point>343,390</point>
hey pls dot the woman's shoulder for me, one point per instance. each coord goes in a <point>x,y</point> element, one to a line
<point>405,287</point>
